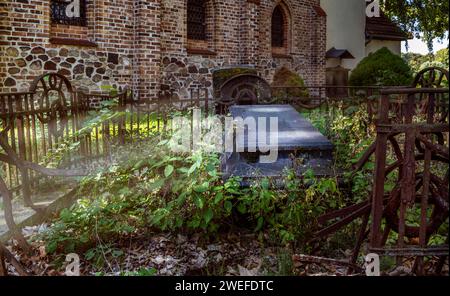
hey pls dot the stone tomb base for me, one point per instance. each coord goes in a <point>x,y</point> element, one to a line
<point>300,145</point>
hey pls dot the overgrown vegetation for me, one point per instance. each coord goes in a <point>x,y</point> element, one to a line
<point>419,62</point>
<point>158,190</point>
<point>150,189</point>
<point>381,68</point>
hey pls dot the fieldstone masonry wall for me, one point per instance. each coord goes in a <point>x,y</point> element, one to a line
<point>88,69</point>
<point>144,45</point>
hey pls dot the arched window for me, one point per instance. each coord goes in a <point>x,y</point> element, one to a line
<point>278,28</point>
<point>196,19</point>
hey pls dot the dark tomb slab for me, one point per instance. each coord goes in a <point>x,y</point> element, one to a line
<point>300,145</point>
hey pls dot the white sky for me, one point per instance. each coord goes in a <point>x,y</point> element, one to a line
<point>418,46</point>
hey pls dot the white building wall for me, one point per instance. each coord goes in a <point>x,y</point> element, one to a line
<point>393,46</point>
<point>346,24</point>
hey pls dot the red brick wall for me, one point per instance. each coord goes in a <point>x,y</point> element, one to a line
<point>307,41</point>
<point>242,36</point>
<point>147,49</point>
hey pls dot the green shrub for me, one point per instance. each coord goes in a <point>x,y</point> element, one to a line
<point>286,78</point>
<point>381,68</point>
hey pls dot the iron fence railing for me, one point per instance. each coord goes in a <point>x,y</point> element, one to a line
<point>34,124</point>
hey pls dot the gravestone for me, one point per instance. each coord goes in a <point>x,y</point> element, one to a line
<point>300,145</point>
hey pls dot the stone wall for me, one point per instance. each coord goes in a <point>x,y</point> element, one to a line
<point>144,45</point>
<point>92,56</point>
<point>88,69</point>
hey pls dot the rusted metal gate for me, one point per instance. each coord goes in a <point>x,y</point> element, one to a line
<point>35,122</point>
<point>420,120</point>
<point>413,124</point>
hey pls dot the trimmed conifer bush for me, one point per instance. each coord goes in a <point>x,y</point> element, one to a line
<point>382,68</point>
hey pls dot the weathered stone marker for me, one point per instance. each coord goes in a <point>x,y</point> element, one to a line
<point>300,145</point>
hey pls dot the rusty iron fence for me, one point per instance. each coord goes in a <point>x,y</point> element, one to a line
<point>52,113</point>
<point>34,124</point>
<point>412,124</point>
<point>251,89</point>
<point>420,121</point>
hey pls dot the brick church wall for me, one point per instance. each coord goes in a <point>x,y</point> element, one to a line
<point>242,36</point>
<point>144,45</point>
<point>31,45</point>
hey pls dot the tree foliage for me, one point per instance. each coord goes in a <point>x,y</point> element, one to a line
<point>418,62</point>
<point>427,20</point>
<point>442,57</point>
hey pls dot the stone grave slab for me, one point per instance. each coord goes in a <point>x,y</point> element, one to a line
<point>300,145</point>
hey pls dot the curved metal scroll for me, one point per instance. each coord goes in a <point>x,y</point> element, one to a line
<point>51,91</point>
<point>433,77</point>
<point>246,89</point>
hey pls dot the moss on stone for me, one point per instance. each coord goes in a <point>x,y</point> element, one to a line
<point>287,78</point>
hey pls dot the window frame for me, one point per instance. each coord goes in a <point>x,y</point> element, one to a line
<point>58,17</point>
<point>196,28</point>
<point>278,34</point>
<point>284,50</point>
